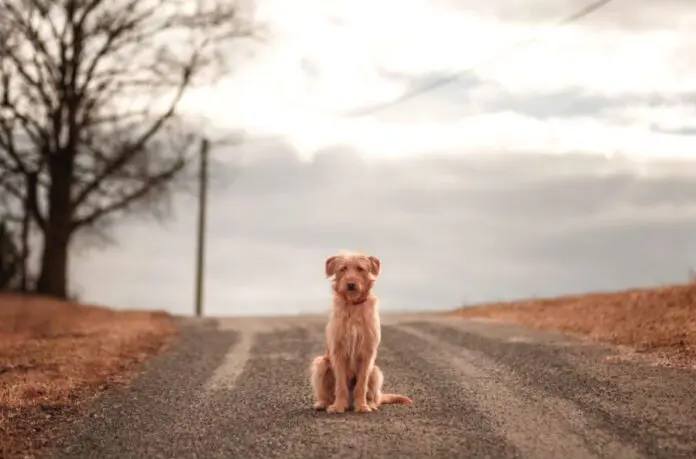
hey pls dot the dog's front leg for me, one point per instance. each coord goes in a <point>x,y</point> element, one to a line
<point>362,380</point>
<point>340,403</point>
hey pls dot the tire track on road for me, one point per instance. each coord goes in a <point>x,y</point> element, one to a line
<point>141,420</point>
<point>444,421</point>
<point>258,416</point>
<point>655,421</point>
<point>540,427</point>
<point>225,376</point>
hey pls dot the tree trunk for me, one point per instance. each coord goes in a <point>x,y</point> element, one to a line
<point>53,279</point>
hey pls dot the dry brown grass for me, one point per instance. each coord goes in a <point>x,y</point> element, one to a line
<point>658,321</point>
<point>55,355</point>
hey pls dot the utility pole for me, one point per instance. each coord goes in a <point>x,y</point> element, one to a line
<point>202,202</point>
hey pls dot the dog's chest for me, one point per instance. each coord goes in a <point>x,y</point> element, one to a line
<point>355,336</point>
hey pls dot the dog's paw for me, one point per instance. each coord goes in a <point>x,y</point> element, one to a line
<point>373,406</point>
<point>319,406</point>
<point>336,408</point>
<point>363,409</point>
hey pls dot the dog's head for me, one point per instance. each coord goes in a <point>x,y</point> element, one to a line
<point>353,273</point>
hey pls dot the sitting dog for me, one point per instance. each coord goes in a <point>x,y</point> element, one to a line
<point>353,334</point>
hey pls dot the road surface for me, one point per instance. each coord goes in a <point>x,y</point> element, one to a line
<point>238,388</point>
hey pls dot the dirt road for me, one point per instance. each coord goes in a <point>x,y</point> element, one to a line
<point>238,388</point>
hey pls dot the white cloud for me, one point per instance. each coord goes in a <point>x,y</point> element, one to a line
<point>608,63</point>
<point>677,116</point>
<point>326,57</point>
<point>504,131</point>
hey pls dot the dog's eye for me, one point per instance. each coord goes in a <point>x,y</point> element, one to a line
<point>343,269</point>
<point>360,269</point>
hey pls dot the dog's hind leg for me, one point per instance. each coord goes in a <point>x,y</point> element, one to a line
<point>375,396</point>
<point>374,388</point>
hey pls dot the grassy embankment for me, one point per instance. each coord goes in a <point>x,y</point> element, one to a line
<point>656,322</point>
<point>56,355</point>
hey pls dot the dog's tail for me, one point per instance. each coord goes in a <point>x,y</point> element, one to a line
<point>395,399</point>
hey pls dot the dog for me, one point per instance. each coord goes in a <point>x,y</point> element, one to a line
<point>346,375</point>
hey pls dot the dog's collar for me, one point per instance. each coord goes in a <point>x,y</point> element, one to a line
<point>359,302</point>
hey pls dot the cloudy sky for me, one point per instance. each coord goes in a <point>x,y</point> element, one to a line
<point>563,166</point>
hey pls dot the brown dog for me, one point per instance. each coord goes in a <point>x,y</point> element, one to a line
<point>352,338</point>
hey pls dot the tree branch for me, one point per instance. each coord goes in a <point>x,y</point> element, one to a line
<point>136,147</point>
<point>124,202</point>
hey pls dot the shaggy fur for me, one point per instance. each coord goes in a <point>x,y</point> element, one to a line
<point>352,338</point>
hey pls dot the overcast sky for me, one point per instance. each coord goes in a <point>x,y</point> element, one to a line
<point>565,166</point>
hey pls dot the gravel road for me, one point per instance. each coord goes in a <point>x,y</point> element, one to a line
<point>238,388</point>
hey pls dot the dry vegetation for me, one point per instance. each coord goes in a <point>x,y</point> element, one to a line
<point>660,322</point>
<point>56,355</point>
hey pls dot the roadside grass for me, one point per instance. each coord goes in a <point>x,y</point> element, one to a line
<point>659,322</point>
<point>57,355</point>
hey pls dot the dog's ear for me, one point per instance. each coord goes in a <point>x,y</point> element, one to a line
<point>375,265</point>
<point>330,265</point>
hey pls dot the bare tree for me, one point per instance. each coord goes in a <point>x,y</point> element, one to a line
<point>89,92</point>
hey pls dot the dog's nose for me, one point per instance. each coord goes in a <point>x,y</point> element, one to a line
<point>350,286</point>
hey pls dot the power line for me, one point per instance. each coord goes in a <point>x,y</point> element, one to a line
<point>577,15</point>
<point>585,11</point>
